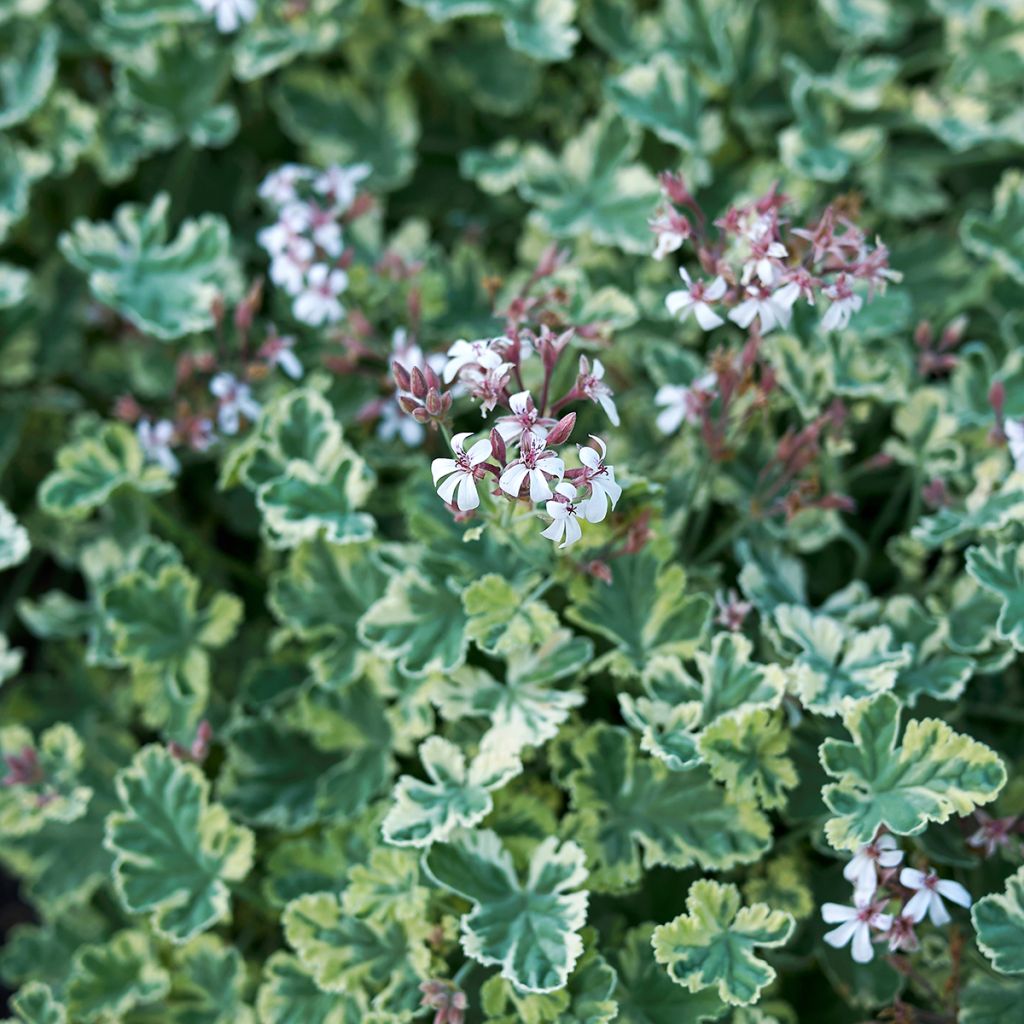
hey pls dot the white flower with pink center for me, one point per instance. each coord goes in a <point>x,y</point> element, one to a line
<point>771,309</point>
<point>695,298</point>
<point>856,924</point>
<point>683,403</point>
<point>234,401</point>
<point>844,304</point>
<point>317,304</point>
<point>155,440</point>
<point>468,353</point>
<point>230,15</point>
<point>460,475</point>
<point>565,512</point>
<point>279,351</point>
<point>280,187</point>
<point>862,870</point>
<point>672,230</point>
<point>765,261</point>
<point>340,184</point>
<point>929,892</point>
<point>525,425</point>
<point>535,465</point>
<point>591,384</point>
<point>604,491</point>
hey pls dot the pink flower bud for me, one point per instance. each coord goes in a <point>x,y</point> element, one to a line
<point>418,383</point>
<point>562,429</point>
<point>498,446</point>
<point>997,398</point>
<point>432,403</point>
<point>402,379</point>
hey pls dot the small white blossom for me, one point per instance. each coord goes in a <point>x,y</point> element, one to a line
<point>672,230</point>
<point>339,184</point>
<point>565,517</point>
<point>604,491</point>
<point>535,464</point>
<point>317,303</point>
<point>844,304</point>
<point>156,440</point>
<point>487,383</point>
<point>765,261</point>
<point>394,422</point>
<point>326,231</point>
<point>1014,431</point>
<point>773,309</point>
<point>855,925</point>
<point>928,895</point>
<point>525,424</point>
<point>591,384</point>
<point>862,870</point>
<point>461,473</point>
<point>279,187</point>
<point>682,403</point>
<point>230,15</point>
<point>279,350</point>
<point>235,401</point>
<point>694,298</point>
<point>467,353</point>
<point>290,227</point>
<point>288,268</point>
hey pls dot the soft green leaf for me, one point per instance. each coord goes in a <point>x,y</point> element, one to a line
<point>999,922</point>
<point>1000,569</point>
<point>174,851</point>
<point>999,237</point>
<point>14,543</point>
<point>35,1004</point>
<point>166,289</point>
<point>289,995</point>
<point>933,774</point>
<point>530,929</point>
<point>27,72</point>
<point>208,984</point>
<point>713,944</point>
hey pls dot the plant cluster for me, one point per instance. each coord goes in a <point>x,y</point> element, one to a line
<point>511,511</point>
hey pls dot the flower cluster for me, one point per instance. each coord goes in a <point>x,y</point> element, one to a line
<point>306,244</point>
<point>758,266</point>
<point>522,458</point>
<point>229,15</point>
<point>888,901</point>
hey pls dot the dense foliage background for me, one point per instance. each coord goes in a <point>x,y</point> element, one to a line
<point>287,741</point>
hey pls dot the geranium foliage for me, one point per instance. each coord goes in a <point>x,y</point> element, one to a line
<point>511,511</point>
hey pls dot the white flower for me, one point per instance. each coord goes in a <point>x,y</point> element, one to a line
<point>682,403</point>
<point>290,227</point>
<point>461,473</point>
<point>288,269</point>
<point>764,260</point>
<point>862,870</point>
<point>565,517</point>
<point>326,231</point>
<point>339,184</point>
<point>604,491</point>
<point>694,298</point>
<point>467,353</point>
<point>536,464</point>
<point>672,230</point>
<point>1014,431</point>
<point>591,383</point>
<point>229,14</point>
<point>855,924</point>
<point>278,350</point>
<point>394,422</point>
<point>317,303</point>
<point>279,187</point>
<point>487,383</point>
<point>156,440</point>
<point>774,309</point>
<point>525,425</point>
<point>235,401</point>
<point>844,304</point>
<point>928,895</point>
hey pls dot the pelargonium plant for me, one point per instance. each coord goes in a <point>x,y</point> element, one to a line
<point>511,513</point>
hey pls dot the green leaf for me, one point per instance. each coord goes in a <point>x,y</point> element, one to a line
<point>999,921</point>
<point>837,663</point>
<point>624,806</point>
<point>746,751</point>
<point>14,543</point>
<point>35,1004</point>
<point>541,29</point>
<point>386,888</point>
<point>336,121</point>
<point>713,944</point>
<point>646,994</point>
<point>92,467</point>
<point>302,504</point>
<point>999,236</point>
<point>27,71</point>
<point>348,954</point>
<point>54,792</point>
<point>530,929</point>
<point>174,851</point>
<point>289,995</point>
<point>521,714</point>
<point>166,289</point>
<point>926,434</point>
<point>593,189</point>
<point>990,1000</point>
<point>156,620</point>
<point>109,979</point>
<point>208,984</point>
<point>662,95</point>
<point>1000,569</point>
<point>933,774</point>
<point>457,795</point>
<point>644,613</point>
<point>418,622</point>
<point>949,524</point>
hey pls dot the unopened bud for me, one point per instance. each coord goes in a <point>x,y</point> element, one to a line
<point>433,381</point>
<point>245,311</point>
<point>420,415</point>
<point>402,379</point>
<point>954,332</point>
<point>997,398</point>
<point>562,429</point>
<point>418,383</point>
<point>432,403</point>
<point>923,334</point>
<point>498,446</point>
<point>408,403</point>
<point>599,570</point>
